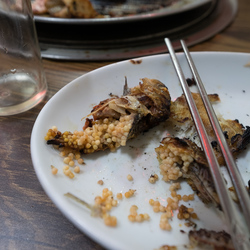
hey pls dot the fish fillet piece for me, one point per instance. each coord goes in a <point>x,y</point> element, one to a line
<point>237,136</point>
<point>118,119</point>
<point>182,158</point>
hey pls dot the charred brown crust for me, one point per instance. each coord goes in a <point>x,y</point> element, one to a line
<point>152,94</point>
<point>239,141</point>
<point>200,180</point>
<point>204,238</point>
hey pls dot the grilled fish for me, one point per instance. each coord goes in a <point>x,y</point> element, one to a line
<point>184,158</point>
<point>118,119</point>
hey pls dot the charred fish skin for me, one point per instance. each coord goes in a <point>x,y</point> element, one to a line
<point>237,136</point>
<point>239,142</point>
<point>209,239</point>
<point>183,158</point>
<point>200,180</point>
<point>117,119</point>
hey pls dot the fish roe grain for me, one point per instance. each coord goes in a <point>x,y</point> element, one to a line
<point>67,172</point>
<point>66,167</point>
<point>54,128</point>
<point>169,214</point>
<point>146,216</point>
<point>98,200</point>
<point>179,197</point>
<point>108,207</point>
<point>153,178</point>
<point>54,170</point>
<point>129,193</point>
<point>100,182</point>
<point>77,156</point>
<point>129,177</point>
<point>164,224</point>
<point>66,160</point>
<point>156,209</point>
<point>194,216</point>
<point>157,203</point>
<point>71,175</point>
<point>168,227</point>
<point>133,210</point>
<point>151,202</point>
<point>110,221</point>
<point>63,153</point>
<point>110,193</point>
<point>139,218</point>
<point>80,161</point>
<point>173,194</point>
<point>162,208</point>
<point>179,216</point>
<point>77,169</point>
<point>131,218</point>
<point>119,196</point>
<point>191,197</point>
<point>185,198</point>
<point>71,163</point>
<point>135,217</point>
<point>114,203</point>
<point>174,205</point>
<point>71,156</point>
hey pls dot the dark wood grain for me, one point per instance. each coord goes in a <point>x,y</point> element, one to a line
<point>28,218</point>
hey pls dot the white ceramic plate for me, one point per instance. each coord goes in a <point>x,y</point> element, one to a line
<point>224,73</point>
<point>176,7</point>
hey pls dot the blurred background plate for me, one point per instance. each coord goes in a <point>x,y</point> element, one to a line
<point>115,41</point>
<point>119,11</point>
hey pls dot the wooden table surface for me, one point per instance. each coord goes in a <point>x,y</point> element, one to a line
<point>28,218</point>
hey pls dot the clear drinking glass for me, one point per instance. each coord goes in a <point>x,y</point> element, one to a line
<point>22,79</point>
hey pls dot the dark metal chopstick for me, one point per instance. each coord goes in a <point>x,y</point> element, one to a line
<point>238,230</point>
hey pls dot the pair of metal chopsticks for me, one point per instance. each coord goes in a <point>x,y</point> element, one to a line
<point>240,231</point>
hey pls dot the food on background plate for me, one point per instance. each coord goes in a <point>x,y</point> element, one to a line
<point>98,8</point>
<point>64,8</point>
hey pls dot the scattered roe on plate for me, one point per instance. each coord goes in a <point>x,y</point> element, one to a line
<point>129,193</point>
<point>106,202</point>
<point>153,178</point>
<point>135,217</point>
<point>173,204</point>
<point>70,157</point>
<point>130,177</point>
<point>54,170</point>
